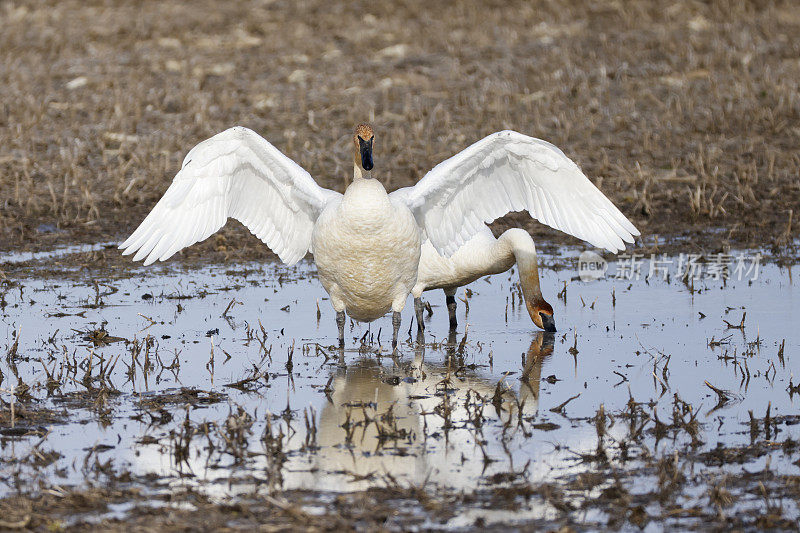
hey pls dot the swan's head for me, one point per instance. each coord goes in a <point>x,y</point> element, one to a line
<point>363,140</point>
<point>541,313</point>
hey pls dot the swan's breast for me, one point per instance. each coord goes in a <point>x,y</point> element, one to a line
<point>367,250</point>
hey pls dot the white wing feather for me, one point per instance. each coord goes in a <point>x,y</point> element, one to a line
<point>508,171</point>
<point>238,174</point>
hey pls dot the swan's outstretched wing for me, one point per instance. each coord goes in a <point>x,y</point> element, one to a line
<point>238,174</point>
<point>508,171</point>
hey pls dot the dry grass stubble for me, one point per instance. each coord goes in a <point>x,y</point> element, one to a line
<point>686,114</point>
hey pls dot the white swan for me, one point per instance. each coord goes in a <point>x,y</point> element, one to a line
<point>481,256</point>
<point>367,243</point>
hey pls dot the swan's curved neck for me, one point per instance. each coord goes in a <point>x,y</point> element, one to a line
<point>518,242</point>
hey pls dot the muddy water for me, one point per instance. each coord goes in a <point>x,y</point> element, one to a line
<point>142,364</point>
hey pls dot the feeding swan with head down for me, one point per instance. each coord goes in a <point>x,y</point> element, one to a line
<point>367,243</point>
<point>481,256</point>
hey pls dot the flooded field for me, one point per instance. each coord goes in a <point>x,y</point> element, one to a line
<point>216,392</point>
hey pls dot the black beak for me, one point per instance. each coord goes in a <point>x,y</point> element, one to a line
<point>365,148</point>
<point>547,322</point>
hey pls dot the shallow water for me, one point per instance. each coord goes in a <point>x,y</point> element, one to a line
<point>13,258</point>
<point>469,411</point>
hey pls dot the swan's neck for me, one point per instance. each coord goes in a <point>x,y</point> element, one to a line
<point>516,244</point>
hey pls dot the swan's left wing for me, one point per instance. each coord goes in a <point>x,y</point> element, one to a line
<point>508,171</point>
<point>237,174</point>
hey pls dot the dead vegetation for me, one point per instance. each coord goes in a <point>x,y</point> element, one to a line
<point>685,115</point>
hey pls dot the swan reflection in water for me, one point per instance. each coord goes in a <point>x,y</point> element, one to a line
<point>424,421</point>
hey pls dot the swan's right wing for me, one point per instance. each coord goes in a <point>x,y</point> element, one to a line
<point>239,174</point>
<point>509,171</point>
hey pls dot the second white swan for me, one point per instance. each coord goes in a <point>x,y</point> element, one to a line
<point>483,255</point>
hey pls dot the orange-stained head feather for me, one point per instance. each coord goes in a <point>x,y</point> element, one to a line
<point>364,131</point>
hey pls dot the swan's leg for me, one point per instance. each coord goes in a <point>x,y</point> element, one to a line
<point>399,302</point>
<point>395,327</point>
<point>418,311</point>
<point>340,323</point>
<point>450,298</point>
<point>338,305</point>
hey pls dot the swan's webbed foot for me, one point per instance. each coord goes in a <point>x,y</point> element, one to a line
<point>395,327</point>
<point>451,310</point>
<point>340,324</point>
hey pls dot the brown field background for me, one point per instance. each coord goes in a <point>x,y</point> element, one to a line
<point>684,113</point>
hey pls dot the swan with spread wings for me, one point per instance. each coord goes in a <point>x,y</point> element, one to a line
<point>367,243</point>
